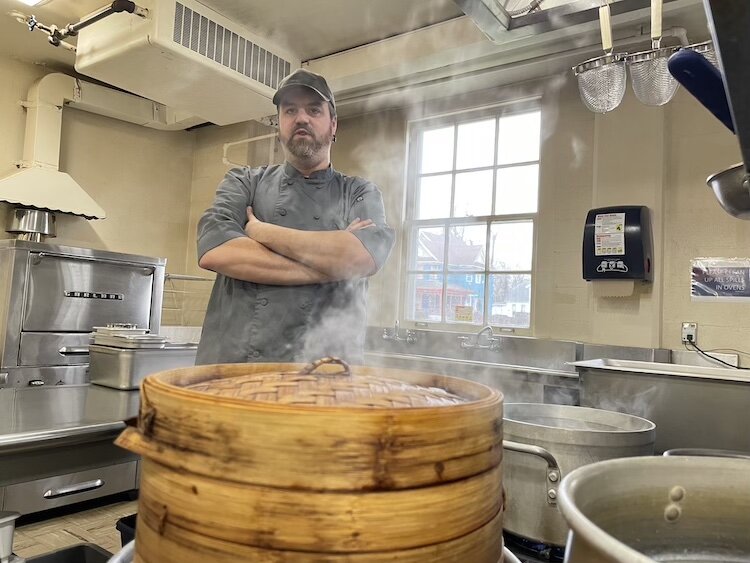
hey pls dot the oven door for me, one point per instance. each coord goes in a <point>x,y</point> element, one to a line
<point>75,294</point>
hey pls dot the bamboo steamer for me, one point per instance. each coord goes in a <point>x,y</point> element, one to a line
<point>284,462</point>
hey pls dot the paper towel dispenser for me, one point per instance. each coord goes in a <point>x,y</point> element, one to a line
<point>617,244</point>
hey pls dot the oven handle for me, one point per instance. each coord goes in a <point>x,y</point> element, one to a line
<point>147,268</point>
<point>73,489</point>
<point>74,351</point>
<point>554,473</point>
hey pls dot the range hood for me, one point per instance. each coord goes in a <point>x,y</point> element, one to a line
<point>495,20</point>
<point>39,184</point>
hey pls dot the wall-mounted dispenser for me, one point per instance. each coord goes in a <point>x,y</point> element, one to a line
<point>617,249</point>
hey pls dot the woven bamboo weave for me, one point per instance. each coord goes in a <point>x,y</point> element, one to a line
<point>328,389</point>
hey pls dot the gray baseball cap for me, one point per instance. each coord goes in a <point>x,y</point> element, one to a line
<point>308,79</point>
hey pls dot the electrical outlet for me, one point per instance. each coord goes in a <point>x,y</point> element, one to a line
<point>690,333</point>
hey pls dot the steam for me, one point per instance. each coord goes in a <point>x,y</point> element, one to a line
<point>621,398</point>
<point>339,331</point>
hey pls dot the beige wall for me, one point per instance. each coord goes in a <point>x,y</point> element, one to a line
<point>140,176</point>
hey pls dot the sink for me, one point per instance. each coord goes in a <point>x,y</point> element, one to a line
<point>81,553</point>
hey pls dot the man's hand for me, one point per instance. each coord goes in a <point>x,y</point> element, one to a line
<point>358,224</point>
<point>253,224</point>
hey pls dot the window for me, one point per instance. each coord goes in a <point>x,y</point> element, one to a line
<point>472,193</point>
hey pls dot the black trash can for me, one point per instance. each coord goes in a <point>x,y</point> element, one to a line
<point>126,527</point>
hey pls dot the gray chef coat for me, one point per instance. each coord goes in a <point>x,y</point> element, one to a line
<point>252,322</point>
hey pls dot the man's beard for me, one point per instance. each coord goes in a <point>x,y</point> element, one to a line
<point>306,148</point>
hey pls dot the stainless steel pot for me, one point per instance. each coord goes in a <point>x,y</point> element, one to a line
<point>543,443</point>
<point>642,510</point>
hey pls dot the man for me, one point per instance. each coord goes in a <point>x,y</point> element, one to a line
<point>292,245</point>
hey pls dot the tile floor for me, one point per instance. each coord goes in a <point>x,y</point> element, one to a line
<point>96,525</point>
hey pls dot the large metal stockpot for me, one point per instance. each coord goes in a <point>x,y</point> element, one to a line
<point>642,510</point>
<point>543,443</point>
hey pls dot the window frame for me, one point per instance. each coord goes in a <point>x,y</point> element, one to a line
<point>415,128</point>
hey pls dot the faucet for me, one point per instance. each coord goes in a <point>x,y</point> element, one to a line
<point>493,342</point>
<point>7,527</point>
<point>394,334</point>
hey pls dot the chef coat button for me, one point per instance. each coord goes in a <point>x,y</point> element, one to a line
<point>256,354</point>
<point>282,211</point>
<point>263,301</point>
<point>304,305</point>
<point>317,217</point>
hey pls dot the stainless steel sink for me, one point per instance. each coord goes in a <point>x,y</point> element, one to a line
<point>80,553</point>
<point>692,406</point>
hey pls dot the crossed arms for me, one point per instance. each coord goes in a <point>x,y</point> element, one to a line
<point>275,255</point>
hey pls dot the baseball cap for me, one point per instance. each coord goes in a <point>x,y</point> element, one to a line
<point>308,79</point>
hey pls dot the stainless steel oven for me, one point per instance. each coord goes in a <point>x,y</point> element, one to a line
<point>52,297</point>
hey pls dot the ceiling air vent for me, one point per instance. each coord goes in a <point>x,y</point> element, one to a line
<point>213,41</point>
<point>187,56</point>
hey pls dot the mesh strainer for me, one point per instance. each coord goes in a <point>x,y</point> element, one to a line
<point>602,80</point>
<point>707,50</point>
<point>652,83</point>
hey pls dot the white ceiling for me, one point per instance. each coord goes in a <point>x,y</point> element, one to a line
<point>309,29</point>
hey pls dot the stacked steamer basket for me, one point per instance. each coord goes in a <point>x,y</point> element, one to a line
<point>291,463</point>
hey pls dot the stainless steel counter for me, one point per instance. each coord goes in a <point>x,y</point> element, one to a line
<point>519,384</point>
<point>30,417</point>
<point>56,445</point>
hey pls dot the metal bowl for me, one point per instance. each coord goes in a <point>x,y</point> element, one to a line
<point>732,188</point>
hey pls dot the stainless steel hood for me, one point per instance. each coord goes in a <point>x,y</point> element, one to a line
<point>47,189</point>
<point>38,184</point>
<point>496,21</point>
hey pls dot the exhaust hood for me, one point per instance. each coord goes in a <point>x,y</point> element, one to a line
<point>39,184</point>
<point>496,19</point>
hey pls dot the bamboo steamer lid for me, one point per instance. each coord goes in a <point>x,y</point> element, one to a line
<point>319,427</point>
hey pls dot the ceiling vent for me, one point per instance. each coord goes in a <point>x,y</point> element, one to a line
<point>185,55</point>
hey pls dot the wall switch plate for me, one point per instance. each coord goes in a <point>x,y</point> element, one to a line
<point>690,333</point>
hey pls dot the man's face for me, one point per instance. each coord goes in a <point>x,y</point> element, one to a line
<point>305,124</point>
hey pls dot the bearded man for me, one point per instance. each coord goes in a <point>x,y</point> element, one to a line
<point>292,245</point>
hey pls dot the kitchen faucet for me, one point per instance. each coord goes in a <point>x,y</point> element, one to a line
<point>493,342</point>
<point>394,334</point>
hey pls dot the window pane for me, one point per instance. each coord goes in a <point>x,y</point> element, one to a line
<point>466,247</point>
<point>510,300</point>
<point>424,297</point>
<point>476,144</point>
<point>519,138</point>
<point>464,298</point>
<point>511,245</point>
<point>473,194</point>
<point>517,189</point>
<point>428,249</point>
<point>434,197</point>
<point>437,150</point>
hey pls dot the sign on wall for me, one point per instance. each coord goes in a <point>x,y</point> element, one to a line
<point>720,279</point>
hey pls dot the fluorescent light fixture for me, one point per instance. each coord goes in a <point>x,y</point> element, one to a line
<point>30,2</point>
